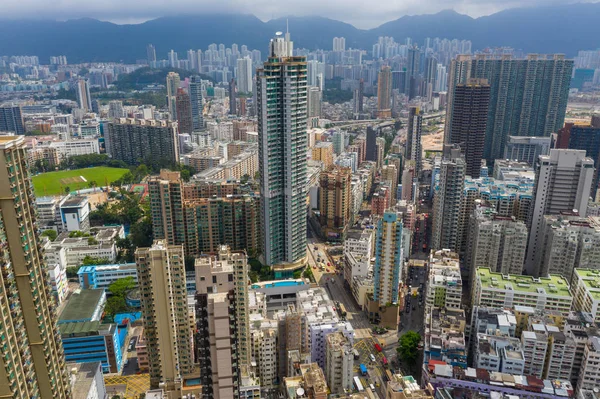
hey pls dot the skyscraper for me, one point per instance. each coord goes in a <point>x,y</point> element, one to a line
<point>223,328</point>
<point>244,74</point>
<point>197,106</point>
<point>184,111</point>
<point>83,95</point>
<point>31,355</point>
<point>339,44</point>
<point>414,149</point>
<point>173,82</point>
<point>447,202</point>
<point>11,119</point>
<point>412,70</point>
<point>335,197</point>
<point>528,97</point>
<point>314,102</point>
<point>371,147</point>
<point>115,109</point>
<point>161,279</point>
<point>173,59</point>
<point>563,182</point>
<point>388,259</point>
<point>469,121</point>
<point>282,156</point>
<point>232,98</point>
<point>138,140</point>
<point>384,92</point>
<point>150,54</point>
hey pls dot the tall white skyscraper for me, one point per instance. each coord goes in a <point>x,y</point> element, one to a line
<point>282,156</point>
<point>192,59</point>
<point>173,60</point>
<point>83,95</point>
<point>441,80</point>
<point>244,75</point>
<point>339,44</point>
<point>563,182</point>
<point>314,102</point>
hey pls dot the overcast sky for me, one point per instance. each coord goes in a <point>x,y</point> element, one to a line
<point>361,13</point>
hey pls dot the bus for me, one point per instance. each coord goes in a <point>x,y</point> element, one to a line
<point>363,370</point>
<point>378,347</point>
<point>358,385</point>
<point>384,361</point>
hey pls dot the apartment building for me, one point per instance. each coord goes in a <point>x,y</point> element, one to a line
<point>586,292</point>
<point>32,349</point>
<point>444,285</point>
<point>339,363</point>
<point>510,290</point>
<point>335,200</point>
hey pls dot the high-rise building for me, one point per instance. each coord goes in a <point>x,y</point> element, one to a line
<point>11,119</point>
<point>282,156</point>
<point>447,203</point>
<point>173,59</point>
<point>339,44</point>
<point>444,285</point>
<point>162,283</point>
<point>339,141</point>
<point>83,95</point>
<point>563,182</point>
<point>586,292</point>
<point>314,102</point>
<point>232,97</point>
<point>339,363</point>
<point>115,109</point>
<point>526,149</point>
<point>569,241</point>
<point>384,92</point>
<point>138,140</point>
<point>523,102</point>
<point>583,137</point>
<point>244,74</point>
<point>412,71</point>
<point>223,330</point>
<point>202,216</point>
<point>323,151</point>
<point>469,121</point>
<point>150,54</point>
<point>173,83</point>
<point>335,199</point>
<point>431,71</point>
<point>361,92</point>
<point>371,144</point>
<point>495,241</point>
<point>184,111</point>
<point>197,106</point>
<point>388,259</point>
<point>414,150</point>
<point>441,79</point>
<point>31,355</point>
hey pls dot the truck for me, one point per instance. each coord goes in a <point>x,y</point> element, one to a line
<point>358,384</point>
<point>363,369</point>
<point>356,354</point>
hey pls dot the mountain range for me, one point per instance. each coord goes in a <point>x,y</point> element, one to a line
<point>551,29</point>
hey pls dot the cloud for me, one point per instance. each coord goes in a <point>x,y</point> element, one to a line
<point>360,13</point>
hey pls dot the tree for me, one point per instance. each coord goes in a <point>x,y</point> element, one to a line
<point>91,261</point>
<point>141,233</point>
<point>67,190</point>
<point>297,274</point>
<point>121,286</point>
<point>92,184</point>
<point>408,345</point>
<point>51,234</point>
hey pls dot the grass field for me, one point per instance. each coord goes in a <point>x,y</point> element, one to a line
<point>54,183</point>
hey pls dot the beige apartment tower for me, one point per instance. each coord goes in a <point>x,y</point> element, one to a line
<point>32,362</point>
<point>161,277</point>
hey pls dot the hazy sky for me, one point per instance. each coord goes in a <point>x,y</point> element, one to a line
<point>360,13</point>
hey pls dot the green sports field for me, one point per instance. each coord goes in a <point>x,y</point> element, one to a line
<point>54,183</point>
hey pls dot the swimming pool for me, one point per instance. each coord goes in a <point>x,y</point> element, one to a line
<point>282,283</point>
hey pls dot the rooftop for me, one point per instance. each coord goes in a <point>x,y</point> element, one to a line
<point>81,305</point>
<point>553,284</point>
<point>591,280</point>
<point>84,374</point>
<point>74,201</point>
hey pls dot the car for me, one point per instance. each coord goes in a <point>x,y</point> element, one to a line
<point>315,249</point>
<point>413,308</point>
<point>407,309</point>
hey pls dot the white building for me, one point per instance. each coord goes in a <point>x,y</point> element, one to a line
<point>67,149</point>
<point>586,292</point>
<point>244,75</point>
<point>74,213</point>
<point>58,280</point>
<point>87,381</point>
<point>563,183</point>
<point>444,286</point>
<point>589,377</point>
<point>339,363</point>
